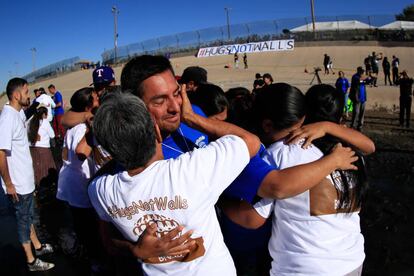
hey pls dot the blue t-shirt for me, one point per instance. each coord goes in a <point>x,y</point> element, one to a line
<point>342,84</point>
<point>184,139</point>
<point>246,185</point>
<point>57,98</point>
<point>362,92</point>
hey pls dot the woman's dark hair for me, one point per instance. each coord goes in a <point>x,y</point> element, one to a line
<point>35,123</point>
<point>240,107</point>
<point>268,76</point>
<point>325,103</point>
<point>210,98</point>
<point>283,104</point>
<point>82,99</point>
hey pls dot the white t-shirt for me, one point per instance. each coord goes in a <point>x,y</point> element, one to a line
<point>46,133</point>
<point>48,102</point>
<point>306,244</point>
<point>74,174</point>
<point>174,192</point>
<point>14,141</point>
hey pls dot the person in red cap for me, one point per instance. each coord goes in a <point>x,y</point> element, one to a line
<point>103,77</point>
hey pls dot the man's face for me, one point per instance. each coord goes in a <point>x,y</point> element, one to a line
<point>161,95</point>
<point>52,90</point>
<point>23,96</point>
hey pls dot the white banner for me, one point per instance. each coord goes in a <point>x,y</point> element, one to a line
<point>254,47</point>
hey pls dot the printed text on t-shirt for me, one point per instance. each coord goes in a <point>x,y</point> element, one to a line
<point>156,203</point>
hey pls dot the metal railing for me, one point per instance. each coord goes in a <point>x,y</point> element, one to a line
<point>62,66</point>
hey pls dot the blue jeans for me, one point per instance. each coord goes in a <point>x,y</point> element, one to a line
<point>24,216</point>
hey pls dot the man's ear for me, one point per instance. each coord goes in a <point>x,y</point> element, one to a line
<point>267,126</point>
<point>158,136</point>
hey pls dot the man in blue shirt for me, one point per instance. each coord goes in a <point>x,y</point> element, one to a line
<point>342,85</point>
<point>358,95</point>
<point>58,112</point>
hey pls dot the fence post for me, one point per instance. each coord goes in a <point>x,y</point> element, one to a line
<point>178,42</point>
<point>248,32</point>
<point>222,35</point>
<point>198,38</point>
<point>276,27</point>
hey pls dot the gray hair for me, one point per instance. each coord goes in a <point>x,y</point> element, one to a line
<point>123,126</point>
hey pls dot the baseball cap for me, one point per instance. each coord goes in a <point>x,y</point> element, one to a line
<point>103,74</point>
<point>195,74</point>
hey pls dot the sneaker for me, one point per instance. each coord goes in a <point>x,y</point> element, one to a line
<point>39,265</point>
<point>45,249</point>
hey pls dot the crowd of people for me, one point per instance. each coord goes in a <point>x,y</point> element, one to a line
<point>191,180</point>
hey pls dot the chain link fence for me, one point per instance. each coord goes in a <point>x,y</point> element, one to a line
<point>63,66</point>
<point>261,31</point>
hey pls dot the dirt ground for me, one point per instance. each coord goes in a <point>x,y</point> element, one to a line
<point>386,218</point>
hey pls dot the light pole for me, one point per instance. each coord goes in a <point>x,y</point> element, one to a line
<point>228,22</point>
<point>16,64</point>
<point>115,12</point>
<point>33,58</point>
<point>313,15</point>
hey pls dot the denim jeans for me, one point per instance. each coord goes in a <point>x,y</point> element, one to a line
<point>24,216</point>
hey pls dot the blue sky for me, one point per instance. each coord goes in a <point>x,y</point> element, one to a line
<point>63,29</point>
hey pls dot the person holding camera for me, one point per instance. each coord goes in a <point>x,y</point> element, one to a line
<point>406,88</point>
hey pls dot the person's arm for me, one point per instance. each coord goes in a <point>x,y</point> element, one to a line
<point>71,119</point>
<point>280,184</point>
<point>216,128</point>
<point>31,110</point>
<point>5,175</point>
<point>242,213</point>
<point>148,244</point>
<point>49,129</point>
<point>52,103</point>
<point>59,100</point>
<point>83,149</point>
<point>317,130</point>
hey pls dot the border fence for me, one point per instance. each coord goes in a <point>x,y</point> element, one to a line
<point>66,65</point>
<point>262,31</point>
<point>366,27</point>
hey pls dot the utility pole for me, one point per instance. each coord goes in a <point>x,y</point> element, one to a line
<point>313,15</point>
<point>115,12</point>
<point>33,58</point>
<point>228,22</point>
<point>16,64</point>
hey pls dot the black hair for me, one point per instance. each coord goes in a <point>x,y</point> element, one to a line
<point>109,91</point>
<point>35,123</point>
<point>268,76</point>
<point>51,86</point>
<point>82,99</point>
<point>325,103</point>
<point>13,85</point>
<point>283,104</point>
<point>258,76</point>
<point>131,140</point>
<point>210,98</point>
<point>240,107</point>
<point>360,70</point>
<point>141,68</point>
